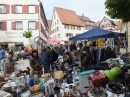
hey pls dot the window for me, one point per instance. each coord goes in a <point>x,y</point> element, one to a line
<point>57,28</point>
<point>57,21</point>
<point>78,28</point>
<point>102,26</point>
<point>18,25</point>
<point>58,36</point>
<point>54,16</point>
<point>86,27</point>
<point>53,30</point>
<point>73,27</point>
<point>66,26</point>
<point>18,9</point>
<point>0,25</point>
<point>31,9</point>
<point>31,25</point>
<point>69,34</point>
<point>2,8</point>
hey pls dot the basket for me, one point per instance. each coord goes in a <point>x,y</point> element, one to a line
<point>35,89</point>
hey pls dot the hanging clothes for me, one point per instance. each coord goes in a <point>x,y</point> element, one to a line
<point>111,42</point>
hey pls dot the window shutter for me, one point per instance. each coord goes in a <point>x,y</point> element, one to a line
<point>25,9</point>
<point>7,8</point>
<point>13,8</point>
<point>13,25</point>
<point>64,26</point>
<point>36,25</point>
<point>4,26</point>
<point>36,8</point>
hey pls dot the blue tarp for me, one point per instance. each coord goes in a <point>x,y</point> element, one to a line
<point>96,33</point>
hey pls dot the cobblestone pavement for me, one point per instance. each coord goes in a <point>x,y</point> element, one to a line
<point>22,64</point>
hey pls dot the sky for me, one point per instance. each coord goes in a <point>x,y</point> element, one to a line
<point>94,9</point>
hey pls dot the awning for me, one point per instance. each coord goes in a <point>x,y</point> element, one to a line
<point>6,40</point>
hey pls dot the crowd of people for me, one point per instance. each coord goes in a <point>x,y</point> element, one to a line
<point>47,54</point>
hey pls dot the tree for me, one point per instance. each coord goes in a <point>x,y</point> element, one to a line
<point>118,9</point>
<point>27,34</point>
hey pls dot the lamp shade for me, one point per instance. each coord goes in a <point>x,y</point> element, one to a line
<point>111,74</point>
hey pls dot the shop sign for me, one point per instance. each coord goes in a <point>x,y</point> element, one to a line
<point>14,34</point>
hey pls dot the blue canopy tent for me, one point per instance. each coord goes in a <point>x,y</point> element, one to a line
<point>96,33</point>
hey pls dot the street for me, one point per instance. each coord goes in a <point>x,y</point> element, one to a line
<point>23,64</point>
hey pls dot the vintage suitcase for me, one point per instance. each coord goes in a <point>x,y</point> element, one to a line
<point>99,80</point>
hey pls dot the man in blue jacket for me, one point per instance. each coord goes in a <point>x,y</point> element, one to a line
<point>2,57</point>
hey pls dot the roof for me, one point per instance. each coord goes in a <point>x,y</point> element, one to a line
<point>68,16</point>
<point>98,23</point>
<point>49,23</point>
<point>118,25</point>
<point>85,19</point>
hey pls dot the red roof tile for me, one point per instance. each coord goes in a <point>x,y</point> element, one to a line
<point>68,16</point>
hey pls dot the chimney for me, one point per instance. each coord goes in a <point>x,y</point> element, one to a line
<point>82,14</point>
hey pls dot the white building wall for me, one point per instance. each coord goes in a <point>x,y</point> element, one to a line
<point>17,35</point>
<point>74,32</point>
<point>62,31</point>
<point>59,25</point>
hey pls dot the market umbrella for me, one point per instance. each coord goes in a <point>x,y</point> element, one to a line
<point>53,40</point>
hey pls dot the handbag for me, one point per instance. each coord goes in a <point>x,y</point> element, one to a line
<point>38,67</point>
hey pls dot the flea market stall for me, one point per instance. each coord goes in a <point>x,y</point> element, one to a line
<point>69,80</point>
<point>103,58</point>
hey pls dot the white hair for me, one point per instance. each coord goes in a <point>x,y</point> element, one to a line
<point>88,43</point>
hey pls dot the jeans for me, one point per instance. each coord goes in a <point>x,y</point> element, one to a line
<point>2,64</point>
<point>46,68</point>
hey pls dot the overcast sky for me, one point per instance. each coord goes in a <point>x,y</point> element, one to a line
<point>94,9</point>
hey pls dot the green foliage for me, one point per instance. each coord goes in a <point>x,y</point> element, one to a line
<point>118,9</point>
<point>27,34</point>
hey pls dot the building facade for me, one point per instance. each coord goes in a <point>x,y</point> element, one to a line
<point>49,24</point>
<point>109,25</point>
<point>17,16</point>
<point>65,24</point>
<point>87,22</point>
